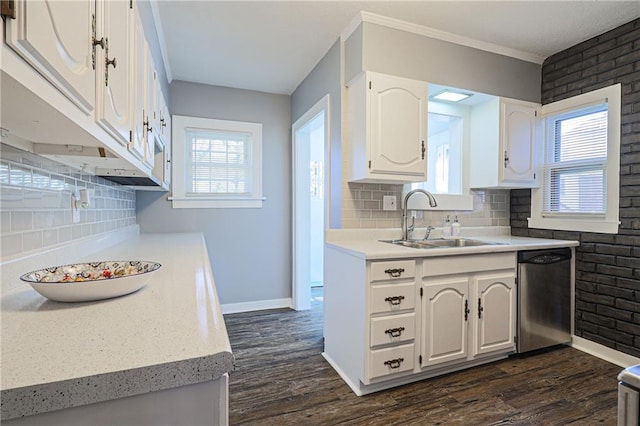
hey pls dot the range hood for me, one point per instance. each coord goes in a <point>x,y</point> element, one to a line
<point>129,178</point>
<point>99,162</point>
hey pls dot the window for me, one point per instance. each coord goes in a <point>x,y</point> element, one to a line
<point>445,169</point>
<point>580,165</point>
<point>217,163</point>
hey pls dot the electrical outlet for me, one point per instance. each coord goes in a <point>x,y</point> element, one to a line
<point>389,202</point>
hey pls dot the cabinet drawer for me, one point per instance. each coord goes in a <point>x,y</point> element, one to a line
<point>392,297</point>
<point>393,329</point>
<point>393,270</point>
<point>383,362</point>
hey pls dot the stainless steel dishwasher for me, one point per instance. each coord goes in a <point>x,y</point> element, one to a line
<point>544,298</point>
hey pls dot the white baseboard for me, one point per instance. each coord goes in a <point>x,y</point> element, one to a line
<point>258,305</point>
<point>603,352</point>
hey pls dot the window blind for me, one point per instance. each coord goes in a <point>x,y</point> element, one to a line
<point>218,162</point>
<point>576,159</point>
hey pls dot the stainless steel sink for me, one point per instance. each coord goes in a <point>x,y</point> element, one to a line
<point>410,243</point>
<point>459,242</point>
<point>426,244</point>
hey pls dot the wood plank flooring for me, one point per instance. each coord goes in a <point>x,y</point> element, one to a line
<point>280,378</point>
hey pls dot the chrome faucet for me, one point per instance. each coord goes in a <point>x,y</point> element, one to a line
<point>405,226</point>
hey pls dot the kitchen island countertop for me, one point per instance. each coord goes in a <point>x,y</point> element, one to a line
<point>170,333</point>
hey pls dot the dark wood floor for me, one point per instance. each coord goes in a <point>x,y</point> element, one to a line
<point>280,378</point>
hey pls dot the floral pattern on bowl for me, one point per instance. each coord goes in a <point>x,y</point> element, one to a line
<point>81,282</point>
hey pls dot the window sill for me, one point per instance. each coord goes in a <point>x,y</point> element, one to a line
<point>216,203</point>
<point>575,224</point>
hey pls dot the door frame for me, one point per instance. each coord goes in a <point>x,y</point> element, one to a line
<point>301,293</point>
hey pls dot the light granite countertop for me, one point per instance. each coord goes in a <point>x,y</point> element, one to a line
<point>169,333</point>
<point>366,244</point>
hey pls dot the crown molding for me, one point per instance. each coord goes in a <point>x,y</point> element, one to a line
<point>160,34</point>
<point>422,30</point>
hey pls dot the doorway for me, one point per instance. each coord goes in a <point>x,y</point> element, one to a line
<point>310,135</point>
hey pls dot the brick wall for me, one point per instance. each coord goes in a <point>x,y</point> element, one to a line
<point>607,265</point>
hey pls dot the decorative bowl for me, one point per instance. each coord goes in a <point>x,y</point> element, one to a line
<point>82,282</point>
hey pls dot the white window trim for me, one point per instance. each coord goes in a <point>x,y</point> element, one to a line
<point>610,221</point>
<point>179,198</point>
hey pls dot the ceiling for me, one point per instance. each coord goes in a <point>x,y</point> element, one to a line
<point>270,46</point>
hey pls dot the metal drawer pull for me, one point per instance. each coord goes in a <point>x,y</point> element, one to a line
<point>394,363</point>
<point>395,332</point>
<point>394,300</point>
<point>395,273</point>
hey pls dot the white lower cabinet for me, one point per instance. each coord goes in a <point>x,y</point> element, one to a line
<point>444,321</point>
<point>392,322</point>
<point>383,362</point>
<point>392,290</point>
<point>494,325</point>
<point>465,317</point>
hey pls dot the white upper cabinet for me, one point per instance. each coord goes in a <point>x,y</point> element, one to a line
<point>164,119</point>
<point>139,113</point>
<point>387,128</point>
<point>504,143</point>
<point>114,69</point>
<point>518,142</point>
<point>55,38</point>
<point>150,108</point>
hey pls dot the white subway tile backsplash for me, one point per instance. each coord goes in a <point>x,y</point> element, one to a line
<point>31,240</point>
<point>11,244</point>
<point>35,203</point>
<point>21,221</point>
<point>64,234</point>
<point>362,208</point>
<point>49,237</point>
<point>43,219</point>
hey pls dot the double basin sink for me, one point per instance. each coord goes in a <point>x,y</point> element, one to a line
<point>439,243</point>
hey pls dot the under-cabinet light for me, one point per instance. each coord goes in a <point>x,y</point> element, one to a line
<point>448,95</point>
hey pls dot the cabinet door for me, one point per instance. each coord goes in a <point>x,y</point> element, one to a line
<point>167,150</point>
<point>152,115</point>
<point>55,37</point>
<point>114,78</point>
<point>397,125</point>
<point>444,321</point>
<point>138,101</point>
<point>518,143</point>
<point>495,315</point>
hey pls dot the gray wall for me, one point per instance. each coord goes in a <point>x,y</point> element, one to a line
<point>607,265</point>
<point>325,79</point>
<point>391,51</point>
<point>250,249</point>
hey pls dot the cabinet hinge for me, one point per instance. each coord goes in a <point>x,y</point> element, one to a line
<point>420,359</point>
<point>369,84</point>
<point>130,4</point>
<point>420,291</point>
<point>8,8</point>
<point>515,340</point>
<point>369,163</point>
<point>534,175</point>
<point>516,280</point>
<point>130,135</point>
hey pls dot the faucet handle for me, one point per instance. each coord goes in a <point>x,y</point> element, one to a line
<point>429,229</point>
